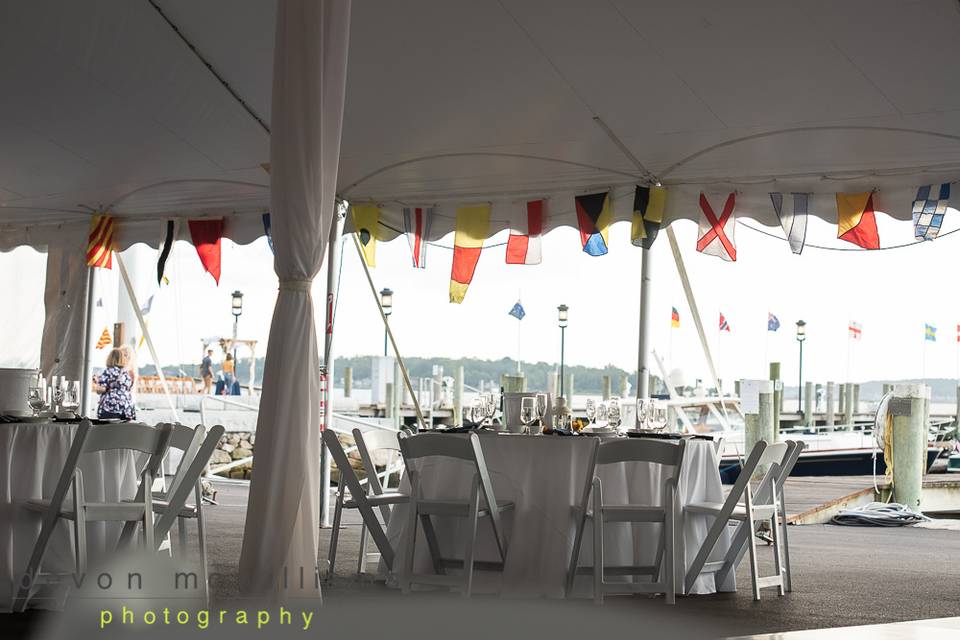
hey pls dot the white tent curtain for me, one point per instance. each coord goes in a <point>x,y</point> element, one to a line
<point>65,302</point>
<point>309,77</point>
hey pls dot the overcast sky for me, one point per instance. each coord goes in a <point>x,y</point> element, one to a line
<point>890,293</point>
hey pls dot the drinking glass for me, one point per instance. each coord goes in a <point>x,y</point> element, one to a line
<point>590,410</point>
<point>541,407</point>
<point>36,398</point>
<point>613,414</point>
<point>601,413</point>
<point>479,411</point>
<point>658,417</point>
<point>71,396</point>
<point>643,409</point>
<point>528,413</point>
<point>57,394</point>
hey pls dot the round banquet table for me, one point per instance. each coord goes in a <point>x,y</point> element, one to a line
<point>544,477</point>
<point>32,456</point>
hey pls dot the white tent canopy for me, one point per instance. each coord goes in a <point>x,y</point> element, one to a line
<point>451,102</point>
<point>160,108</point>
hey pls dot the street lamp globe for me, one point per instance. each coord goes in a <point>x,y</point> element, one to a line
<point>236,304</point>
<point>386,301</point>
<point>801,330</point>
<point>562,315</point>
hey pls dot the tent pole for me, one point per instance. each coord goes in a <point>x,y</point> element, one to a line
<point>333,277</point>
<point>87,374</point>
<point>396,350</point>
<point>643,343</point>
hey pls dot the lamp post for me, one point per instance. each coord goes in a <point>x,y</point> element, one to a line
<point>236,308</point>
<point>562,321</point>
<point>386,301</point>
<point>801,336</point>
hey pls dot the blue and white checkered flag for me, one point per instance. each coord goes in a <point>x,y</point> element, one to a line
<point>928,210</point>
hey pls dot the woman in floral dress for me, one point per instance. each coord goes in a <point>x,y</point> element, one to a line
<point>115,387</point>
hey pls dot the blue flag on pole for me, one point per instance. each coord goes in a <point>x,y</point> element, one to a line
<point>773,323</point>
<point>517,311</point>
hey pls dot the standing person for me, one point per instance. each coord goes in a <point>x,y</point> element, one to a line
<point>229,374</point>
<point>115,385</point>
<point>206,372</point>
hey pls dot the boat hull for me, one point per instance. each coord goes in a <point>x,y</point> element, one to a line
<point>856,462</point>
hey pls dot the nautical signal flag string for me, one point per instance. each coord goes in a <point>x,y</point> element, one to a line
<point>473,224</point>
<point>593,218</point>
<point>365,221</point>
<point>716,236</point>
<point>525,245</point>
<point>105,339</point>
<point>856,220</point>
<point>100,244</point>
<point>206,235</point>
<point>648,206</point>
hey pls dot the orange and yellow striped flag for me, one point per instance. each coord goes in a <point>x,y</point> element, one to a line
<point>105,339</point>
<point>100,246</point>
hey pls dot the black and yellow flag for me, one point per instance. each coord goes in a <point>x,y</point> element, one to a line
<point>648,205</point>
<point>365,220</point>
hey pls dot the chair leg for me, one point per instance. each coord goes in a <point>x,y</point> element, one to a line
<point>334,535</point>
<point>754,569</point>
<point>181,536</point>
<point>788,580</point>
<point>410,541</point>
<point>432,544</point>
<point>597,545</point>
<point>79,530</point>
<point>202,535</point>
<point>669,543</point>
<point>468,551</point>
<point>575,554</point>
<point>777,563</point>
<point>362,559</point>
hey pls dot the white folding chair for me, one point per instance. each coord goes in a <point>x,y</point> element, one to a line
<point>91,439</point>
<point>359,500</point>
<point>755,507</point>
<point>481,503</point>
<point>370,444</point>
<point>633,450</point>
<point>197,446</point>
<point>738,544</point>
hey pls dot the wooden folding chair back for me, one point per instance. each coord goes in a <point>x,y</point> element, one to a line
<point>440,445</point>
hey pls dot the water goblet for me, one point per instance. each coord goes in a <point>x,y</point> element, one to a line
<point>528,413</point>
<point>591,410</point>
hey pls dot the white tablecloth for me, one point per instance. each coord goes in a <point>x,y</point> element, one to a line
<point>31,460</point>
<point>544,476</point>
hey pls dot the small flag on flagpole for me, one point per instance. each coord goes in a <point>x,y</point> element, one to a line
<point>929,333</point>
<point>854,330</point>
<point>724,325</point>
<point>517,311</point>
<point>958,333</point>
<point>674,318</point>
<point>773,323</point>
<point>105,339</point>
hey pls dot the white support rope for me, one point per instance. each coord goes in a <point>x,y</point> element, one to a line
<point>146,335</point>
<point>694,311</point>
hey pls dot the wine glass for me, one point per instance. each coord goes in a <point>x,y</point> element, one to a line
<point>528,413</point>
<point>658,417</point>
<point>37,400</point>
<point>58,389</point>
<point>643,413</point>
<point>591,410</point>
<point>478,411</point>
<point>491,406</point>
<point>614,418</point>
<point>71,397</point>
<point>601,413</point>
<point>541,407</point>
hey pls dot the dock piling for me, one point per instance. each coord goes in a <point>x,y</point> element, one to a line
<point>856,399</point>
<point>606,388</point>
<point>758,426</point>
<point>347,382</point>
<point>623,386</point>
<point>831,409</point>
<point>568,390</point>
<point>849,408</point>
<point>808,404</point>
<point>777,394</point>
<point>909,442</point>
<point>458,396</point>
